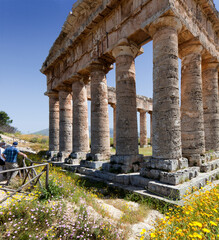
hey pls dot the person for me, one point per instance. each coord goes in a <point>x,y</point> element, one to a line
<point>2,148</point>
<point>10,155</point>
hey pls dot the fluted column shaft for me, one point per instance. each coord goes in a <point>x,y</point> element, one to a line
<point>143,129</point>
<point>114,125</point>
<point>65,121</point>
<point>151,128</point>
<point>80,117</point>
<point>100,138</point>
<point>126,112</point>
<point>210,104</point>
<point>166,111</point>
<point>193,138</point>
<point>53,122</point>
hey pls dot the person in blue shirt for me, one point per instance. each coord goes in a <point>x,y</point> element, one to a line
<point>10,155</point>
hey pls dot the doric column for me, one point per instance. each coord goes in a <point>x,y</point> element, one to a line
<point>80,118</point>
<point>100,137</point>
<point>210,104</point>
<point>126,112</point>
<point>143,129</point>
<point>193,139</point>
<point>166,111</point>
<point>53,121</point>
<point>151,128</point>
<point>114,124</point>
<point>65,121</point>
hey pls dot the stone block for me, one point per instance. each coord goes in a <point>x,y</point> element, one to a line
<point>57,164</point>
<point>97,157</point>
<point>168,165</point>
<point>195,160</point>
<point>183,163</point>
<point>126,159</point>
<point>122,179</point>
<point>138,181</point>
<point>209,166</point>
<point>72,161</point>
<point>86,171</point>
<point>78,155</point>
<point>92,164</point>
<point>70,167</point>
<point>179,191</point>
<point>180,176</point>
<point>150,173</point>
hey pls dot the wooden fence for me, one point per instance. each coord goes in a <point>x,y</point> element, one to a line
<point>30,173</point>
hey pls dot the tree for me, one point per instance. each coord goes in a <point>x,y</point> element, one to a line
<point>5,122</point>
<point>4,119</point>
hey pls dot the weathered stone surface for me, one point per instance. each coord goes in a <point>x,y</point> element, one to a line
<point>72,161</point>
<point>126,112</point>
<point>180,176</point>
<point>210,104</point>
<point>209,166</point>
<point>92,164</point>
<point>179,191</point>
<point>114,125</point>
<point>78,155</point>
<point>137,180</point>
<point>166,112</point>
<point>80,117</point>
<point>53,121</point>
<point>143,129</point>
<point>100,139</point>
<point>169,165</point>
<point>70,167</point>
<point>65,122</point>
<point>193,141</point>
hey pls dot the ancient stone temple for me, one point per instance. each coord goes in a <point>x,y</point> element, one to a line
<point>185,130</point>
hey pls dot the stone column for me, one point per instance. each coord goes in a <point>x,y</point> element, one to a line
<point>126,112</point>
<point>100,137</point>
<point>80,118</point>
<point>166,111</point>
<point>210,104</point>
<point>127,157</point>
<point>193,138</point>
<point>114,124</point>
<point>151,128</point>
<point>65,122</point>
<point>143,129</point>
<point>53,122</point>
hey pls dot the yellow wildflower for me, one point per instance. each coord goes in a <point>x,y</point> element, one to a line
<point>206,230</point>
<point>153,235</point>
<point>213,223</point>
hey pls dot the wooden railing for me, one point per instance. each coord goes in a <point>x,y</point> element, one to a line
<point>30,173</point>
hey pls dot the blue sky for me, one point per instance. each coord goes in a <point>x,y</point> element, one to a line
<point>28,29</point>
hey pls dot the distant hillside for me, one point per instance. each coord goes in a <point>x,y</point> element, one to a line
<point>45,132</point>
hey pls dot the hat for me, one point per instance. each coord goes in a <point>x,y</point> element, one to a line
<point>15,143</point>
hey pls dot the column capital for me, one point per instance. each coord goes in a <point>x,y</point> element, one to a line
<point>100,65</point>
<point>189,47</point>
<point>64,88</point>
<point>210,63</point>
<point>165,21</point>
<point>142,110</point>
<point>52,94</point>
<point>113,105</point>
<point>126,48</point>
